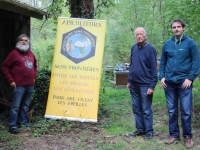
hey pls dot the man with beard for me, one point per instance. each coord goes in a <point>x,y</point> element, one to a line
<point>20,69</point>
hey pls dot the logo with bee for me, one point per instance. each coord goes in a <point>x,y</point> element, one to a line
<point>78,45</point>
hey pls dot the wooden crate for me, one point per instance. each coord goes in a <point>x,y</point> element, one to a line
<point>121,77</point>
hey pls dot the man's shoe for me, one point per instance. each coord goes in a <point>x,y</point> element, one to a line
<point>172,140</point>
<point>188,142</point>
<point>136,133</point>
<point>13,130</point>
<point>148,136</point>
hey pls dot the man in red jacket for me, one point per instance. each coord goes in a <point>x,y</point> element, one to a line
<point>20,69</point>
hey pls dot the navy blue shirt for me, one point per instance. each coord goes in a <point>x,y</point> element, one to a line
<point>143,66</point>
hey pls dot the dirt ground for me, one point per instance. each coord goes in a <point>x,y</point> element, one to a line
<point>85,136</point>
<point>81,136</point>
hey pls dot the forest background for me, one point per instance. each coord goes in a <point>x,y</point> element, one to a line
<point>115,118</point>
<point>123,17</point>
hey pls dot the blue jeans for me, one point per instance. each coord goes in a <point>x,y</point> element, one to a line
<point>141,105</point>
<point>20,104</point>
<point>173,93</point>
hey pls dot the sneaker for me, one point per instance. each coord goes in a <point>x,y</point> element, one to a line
<point>136,133</point>
<point>188,142</point>
<point>13,130</point>
<point>148,136</point>
<point>172,140</point>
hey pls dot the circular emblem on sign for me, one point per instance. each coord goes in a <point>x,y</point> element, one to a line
<point>78,45</point>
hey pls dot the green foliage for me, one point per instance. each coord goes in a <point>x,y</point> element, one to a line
<point>42,30</point>
<point>41,92</point>
<point>196,103</point>
<point>46,29</point>
<point>56,9</point>
<point>50,126</point>
<point>4,134</point>
<point>155,16</point>
<point>102,7</point>
<point>43,51</point>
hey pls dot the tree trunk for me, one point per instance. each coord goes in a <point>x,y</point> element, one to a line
<point>82,8</point>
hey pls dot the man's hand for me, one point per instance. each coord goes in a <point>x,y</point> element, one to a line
<point>186,84</point>
<point>150,91</point>
<point>128,86</point>
<point>13,85</point>
<point>162,81</point>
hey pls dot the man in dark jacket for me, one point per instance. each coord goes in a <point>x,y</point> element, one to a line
<point>179,67</point>
<point>20,69</point>
<point>141,82</point>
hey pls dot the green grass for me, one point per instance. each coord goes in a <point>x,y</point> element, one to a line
<point>116,112</point>
<point>118,102</point>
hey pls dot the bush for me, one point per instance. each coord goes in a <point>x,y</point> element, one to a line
<point>41,92</point>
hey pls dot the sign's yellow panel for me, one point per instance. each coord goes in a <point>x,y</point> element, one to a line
<point>76,70</point>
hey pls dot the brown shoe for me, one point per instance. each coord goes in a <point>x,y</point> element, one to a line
<point>172,140</point>
<point>188,142</point>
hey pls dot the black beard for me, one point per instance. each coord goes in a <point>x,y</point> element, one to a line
<point>22,48</point>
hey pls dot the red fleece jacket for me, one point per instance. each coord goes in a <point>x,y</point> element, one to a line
<point>20,68</point>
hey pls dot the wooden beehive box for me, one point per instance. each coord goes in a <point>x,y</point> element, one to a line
<point>121,77</point>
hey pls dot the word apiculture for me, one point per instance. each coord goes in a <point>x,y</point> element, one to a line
<point>81,23</point>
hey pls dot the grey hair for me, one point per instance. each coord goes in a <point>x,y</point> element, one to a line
<point>23,35</point>
<point>145,33</point>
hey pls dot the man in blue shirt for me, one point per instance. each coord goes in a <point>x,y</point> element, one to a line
<point>179,67</point>
<point>141,82</point>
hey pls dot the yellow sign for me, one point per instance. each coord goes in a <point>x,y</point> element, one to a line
<point>76,70</point>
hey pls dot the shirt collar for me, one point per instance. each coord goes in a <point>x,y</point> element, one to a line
<point>143,45</point>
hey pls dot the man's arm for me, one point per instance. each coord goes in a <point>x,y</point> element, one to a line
<point>163,61</point>
<point>130,66</point>
<point>153,71</point>
<point>195,64</point>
